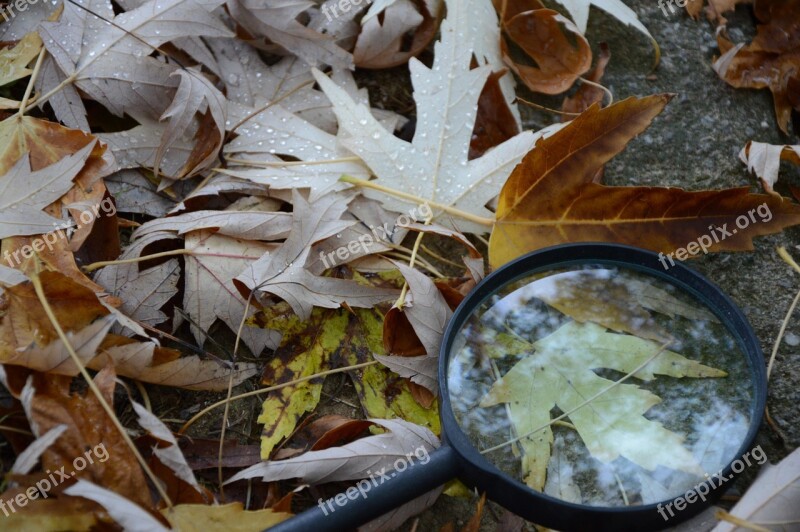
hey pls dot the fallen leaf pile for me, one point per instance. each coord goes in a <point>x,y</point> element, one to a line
<point>201,201</point>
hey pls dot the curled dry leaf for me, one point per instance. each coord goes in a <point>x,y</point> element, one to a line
<point>588,94</point>
<point>196,95</point>
<point>538,33</point>
<point>551,198</point>
<point>764,160</point>
<point>771,60</point>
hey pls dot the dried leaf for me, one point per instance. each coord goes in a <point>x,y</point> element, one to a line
<point>329,339</point>
<point>558,63</point>
<point>88,428</point>
<point>14,60</point>
<point>282,272</point>
<point>352,461</point>
<point>435,165</point>
<point>381,41</point>
<point>25,328</point>
<point>550,197</point>
<point>772,498</point>
<point>764,160</point>
<point>579,11</point>
<point>771,60</point>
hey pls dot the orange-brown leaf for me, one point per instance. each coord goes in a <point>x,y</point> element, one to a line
<point>771,60</point>
<point>88,426</point>
<point>539,34</point>
<point>550,197</point>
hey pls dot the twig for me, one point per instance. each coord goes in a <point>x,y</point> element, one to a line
<point>39,289</point>
<point>272,389</point>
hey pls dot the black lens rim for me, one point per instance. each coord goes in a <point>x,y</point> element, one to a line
<point>549,511</point>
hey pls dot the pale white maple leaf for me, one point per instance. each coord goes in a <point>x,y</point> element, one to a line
<point>277,20</point>
<point>255,153</point>
<point>209,292</point>
<point>24,193</point>
<point>111,61</point>
<point>434,166</point>
<point>147,292</point>
<point>351,461</point>
<point>283,273</point>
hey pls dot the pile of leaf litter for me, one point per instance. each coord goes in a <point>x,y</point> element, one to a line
<point>256,223</point>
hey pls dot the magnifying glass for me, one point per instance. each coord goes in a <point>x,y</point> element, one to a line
<point>586,387</point>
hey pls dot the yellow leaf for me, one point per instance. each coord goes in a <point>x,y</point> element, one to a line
<point>226,518</point>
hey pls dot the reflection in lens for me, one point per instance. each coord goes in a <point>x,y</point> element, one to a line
<point>600,386</point>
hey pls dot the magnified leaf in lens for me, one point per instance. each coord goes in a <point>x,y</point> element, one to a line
<point>558,372</point>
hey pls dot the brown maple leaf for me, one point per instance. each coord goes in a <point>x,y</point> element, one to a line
<point>551,198</point>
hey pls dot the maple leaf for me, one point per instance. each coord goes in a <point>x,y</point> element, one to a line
<point>771,60</point>
<point>25,193</point>
<point>14,60</point>
<point>559,373</point>
<point>278,22</point>
<point>551,198</point>
<point>352,461</point>
<point>90,51</point>
<point>283,273</point>
<point>50,403</point>
<point>434,166</point>
<point>195,95</point>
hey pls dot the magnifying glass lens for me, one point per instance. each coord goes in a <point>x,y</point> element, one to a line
<point>600,385</point>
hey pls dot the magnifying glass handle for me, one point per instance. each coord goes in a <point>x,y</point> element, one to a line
<point>365,505</point>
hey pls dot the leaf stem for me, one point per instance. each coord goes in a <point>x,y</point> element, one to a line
<point>39,289</point>
<point>272,389</point>
<point>489,222</point>
<point>97,265</point>
<point>31,82</point>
